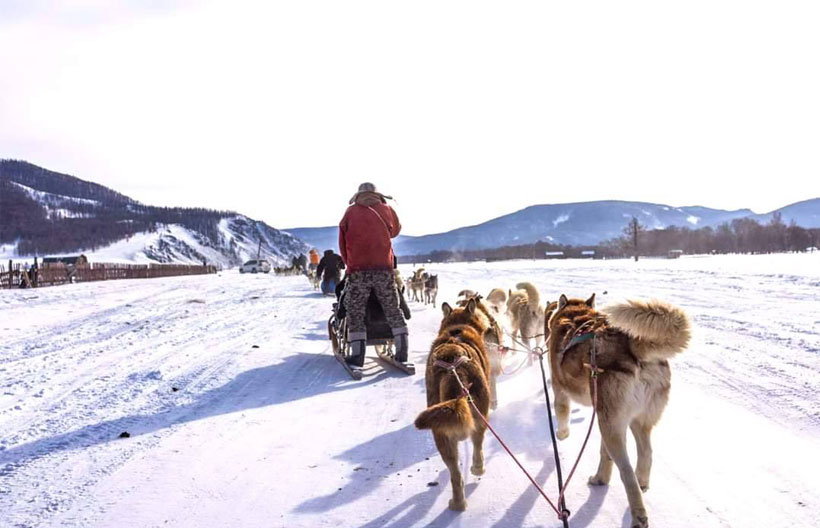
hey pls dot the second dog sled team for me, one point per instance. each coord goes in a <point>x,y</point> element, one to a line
<point>627,354</point>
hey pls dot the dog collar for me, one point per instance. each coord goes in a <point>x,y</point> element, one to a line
<point>580,338</point>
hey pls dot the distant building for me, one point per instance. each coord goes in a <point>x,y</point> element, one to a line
<point>674,253</point>
<point>590,253</point>
<point>554,254</point>
<point>75,261</point>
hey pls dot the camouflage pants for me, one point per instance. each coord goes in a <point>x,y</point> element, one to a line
<point>357,292</point>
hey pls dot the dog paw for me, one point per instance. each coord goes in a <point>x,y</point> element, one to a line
<point>640,522</point>
<point>563,433</point>
<point>458,505</point>
<point>643,482</point>
<point>595,480</point>
<point>477,471</point>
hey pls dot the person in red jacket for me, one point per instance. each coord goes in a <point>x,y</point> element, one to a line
<point>364,242</point>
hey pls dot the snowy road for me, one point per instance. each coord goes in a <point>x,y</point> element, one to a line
<point>265,429</point>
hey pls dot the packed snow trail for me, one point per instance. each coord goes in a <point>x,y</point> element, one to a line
<point>266,429</point>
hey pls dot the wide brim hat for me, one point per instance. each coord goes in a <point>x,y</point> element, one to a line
<point>369,188</point>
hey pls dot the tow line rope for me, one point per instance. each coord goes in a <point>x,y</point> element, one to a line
<point>579,336</point>
<point>466,393</point>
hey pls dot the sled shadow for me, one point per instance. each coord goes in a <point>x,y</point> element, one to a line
<point>383,457</point>
<point>275,384</point>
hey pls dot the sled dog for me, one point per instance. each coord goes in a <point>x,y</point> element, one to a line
<point>466,294</point>
<point>417,284</point>
<point>449,415</point>
<point>497,301</point>
<point>526,314</point>
<point>493,338</point>
<point>314,279</point>
<point>431,290</point>
<point>633,342</point>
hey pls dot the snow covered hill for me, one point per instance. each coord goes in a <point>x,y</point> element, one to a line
<point>44,213</point>
<point>582,223</point>
<point>237,242</point>
<point>805,213</point>
<point>238,415</point>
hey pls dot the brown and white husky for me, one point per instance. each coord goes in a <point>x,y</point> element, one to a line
<point>633,342</point>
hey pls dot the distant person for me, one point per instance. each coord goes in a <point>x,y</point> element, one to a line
<point>364,240</point>
<point>302,263</point>
<point>313,257</point>
<point>329,270</point>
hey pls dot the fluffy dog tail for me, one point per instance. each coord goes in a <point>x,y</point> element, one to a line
<point>451,417</point>
<point>658,329</point>
<point>533,298</point>
<point>497,295</point>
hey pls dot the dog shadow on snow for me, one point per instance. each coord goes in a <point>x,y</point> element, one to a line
<point>296,377</point>
<point>531,441</point>
<point>382,457</point>
<point>393,455</point>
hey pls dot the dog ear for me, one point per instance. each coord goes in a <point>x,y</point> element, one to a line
<point>471,306</point>
<point>562,301</point>
<point>446,309</point>
<point>591,301</point>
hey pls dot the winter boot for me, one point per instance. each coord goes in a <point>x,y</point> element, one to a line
<point>356,357</point>
<point>405,310</point>
<point>402,347</point>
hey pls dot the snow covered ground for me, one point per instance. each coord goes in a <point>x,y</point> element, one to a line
<point>265,428</point>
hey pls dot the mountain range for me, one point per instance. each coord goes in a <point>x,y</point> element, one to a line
<point>44,213</point>
<point>579,224</point>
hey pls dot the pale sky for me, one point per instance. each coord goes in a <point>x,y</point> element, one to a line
<point>464,111</point>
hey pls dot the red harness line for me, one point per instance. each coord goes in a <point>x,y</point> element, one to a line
<point>562,515</point>
<point>594,375</point>
<point>452,368</point>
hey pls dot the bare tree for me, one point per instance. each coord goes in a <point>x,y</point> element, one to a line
<point>633,232</point>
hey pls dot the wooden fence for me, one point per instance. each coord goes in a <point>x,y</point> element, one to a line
<point>57,274</point>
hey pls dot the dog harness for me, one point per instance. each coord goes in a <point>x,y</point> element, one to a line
<point>446,365</point>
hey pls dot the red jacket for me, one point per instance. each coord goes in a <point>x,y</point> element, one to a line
<point>364,236</point>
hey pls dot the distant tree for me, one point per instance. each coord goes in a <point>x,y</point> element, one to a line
<point>798,239</point>
<point>633,231</point>
<point>776,233</point>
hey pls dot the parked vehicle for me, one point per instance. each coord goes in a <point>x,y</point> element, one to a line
<point>255,266</point>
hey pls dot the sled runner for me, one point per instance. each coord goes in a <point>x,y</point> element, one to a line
<point>386,354</point>
<point>379,336</point>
